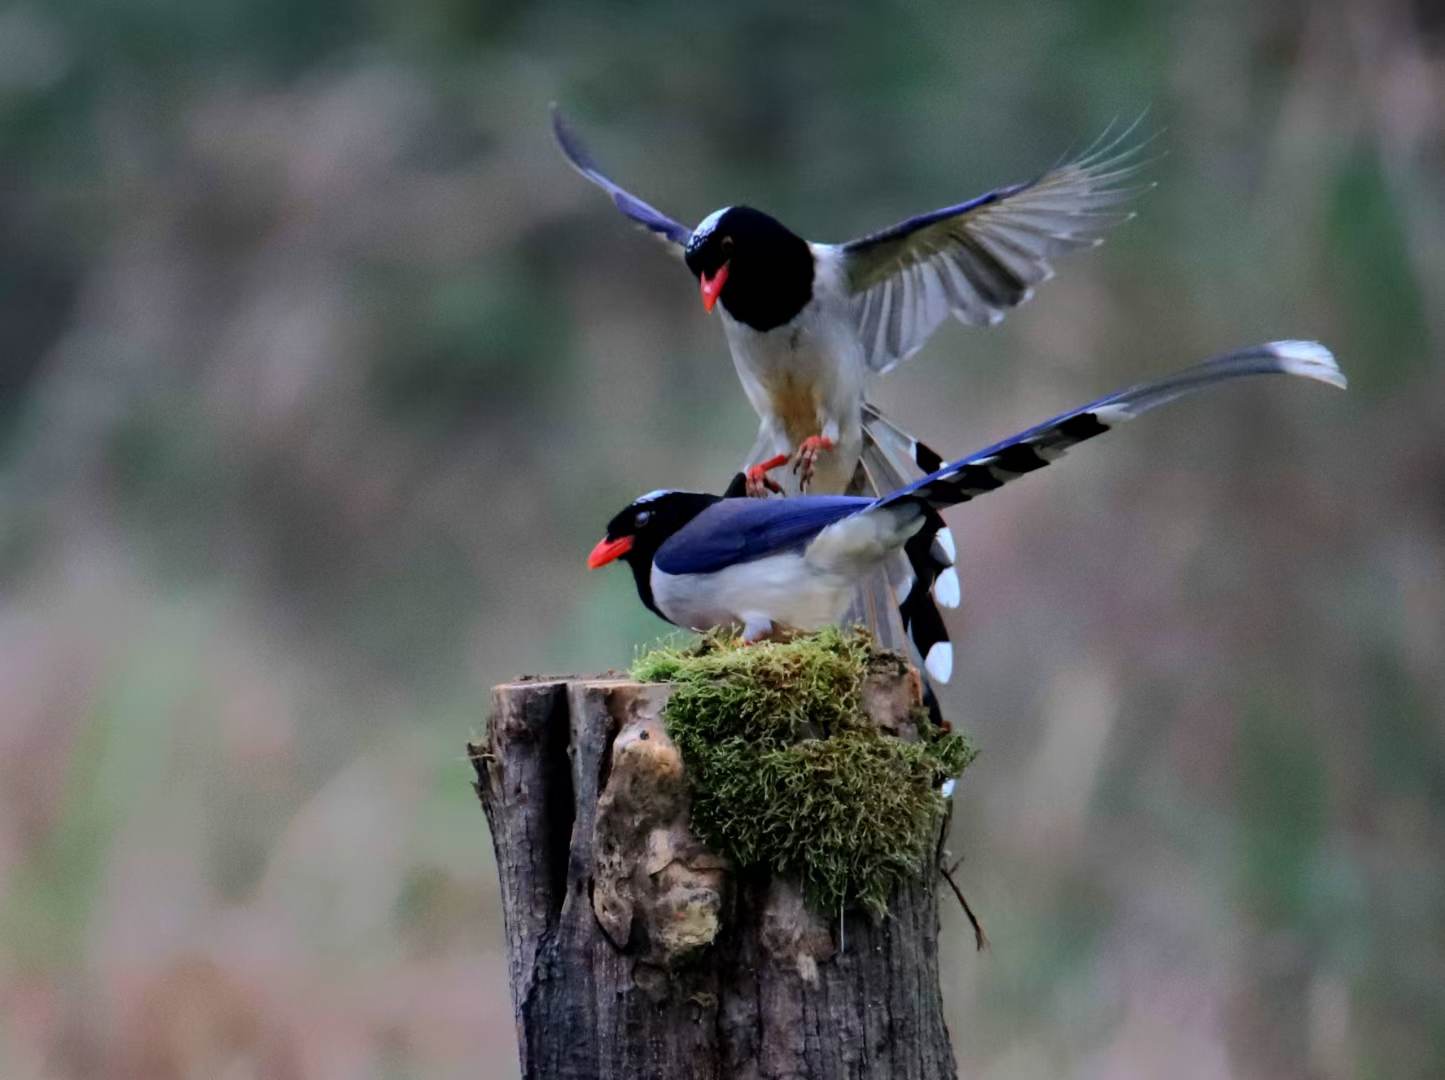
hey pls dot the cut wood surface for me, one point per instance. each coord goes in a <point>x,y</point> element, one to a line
<point>634,952</point>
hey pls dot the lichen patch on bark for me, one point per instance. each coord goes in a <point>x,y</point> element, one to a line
<point>655,888</point>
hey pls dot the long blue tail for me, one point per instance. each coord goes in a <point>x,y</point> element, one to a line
<point>996,465</point>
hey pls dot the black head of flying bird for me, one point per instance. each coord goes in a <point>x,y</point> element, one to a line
<point>703,561</point>
<point>760,270</point>
<point>808,324</point>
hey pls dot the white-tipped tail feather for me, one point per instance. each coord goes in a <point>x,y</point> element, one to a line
<point>891,457</point>
<point>1305,359</point>
<point>939,661</point>
<point>996,465</point>
<point>945,588</point>
<point>1309,360</point>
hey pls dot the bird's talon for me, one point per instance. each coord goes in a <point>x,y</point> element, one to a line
<point>758,483</point>
<point>807,458</point>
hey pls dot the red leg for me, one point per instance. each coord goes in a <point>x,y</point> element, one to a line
<point>759,483</point>
<point>808,453</point>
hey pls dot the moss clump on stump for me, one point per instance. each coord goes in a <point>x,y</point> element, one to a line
<point>789,773</point>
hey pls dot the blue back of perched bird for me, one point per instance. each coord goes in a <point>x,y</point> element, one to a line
<point>739,530</point>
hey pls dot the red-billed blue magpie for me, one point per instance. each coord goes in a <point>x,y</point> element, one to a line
<point>809,324</point>
<point>703,561</point>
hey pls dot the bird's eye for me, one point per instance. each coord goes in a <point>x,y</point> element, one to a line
<point>727,244</point>
<point>642,518</point>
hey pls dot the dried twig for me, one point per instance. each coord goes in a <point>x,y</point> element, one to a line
<point>980,939</point>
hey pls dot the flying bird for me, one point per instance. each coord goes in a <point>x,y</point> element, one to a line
<point>809,324</point>
<point>702,561</point>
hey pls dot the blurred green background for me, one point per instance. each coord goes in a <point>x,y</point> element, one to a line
<point>320,372</point>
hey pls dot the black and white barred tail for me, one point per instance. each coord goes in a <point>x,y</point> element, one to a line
<point>923,579</point>
<point>1035,448</point>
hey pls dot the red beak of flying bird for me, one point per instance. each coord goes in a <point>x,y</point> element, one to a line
<point>712,287</point>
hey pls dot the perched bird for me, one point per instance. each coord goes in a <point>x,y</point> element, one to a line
<point>703,561</point>
<point>808,324</point>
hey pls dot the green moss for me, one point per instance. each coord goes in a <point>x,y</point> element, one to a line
<point>790,776</point>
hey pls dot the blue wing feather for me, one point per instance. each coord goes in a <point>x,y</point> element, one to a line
<point>932,217</point>
<point>641,212</point>
<point>739,530</point>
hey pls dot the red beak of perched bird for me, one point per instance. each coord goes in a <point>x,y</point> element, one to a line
<point>607,550</point>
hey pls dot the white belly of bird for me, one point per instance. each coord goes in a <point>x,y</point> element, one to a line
<point>805,378</point>
<point>785,590</point>
<point>804,590</point>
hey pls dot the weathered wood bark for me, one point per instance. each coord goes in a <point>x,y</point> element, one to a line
<point>635,953</point>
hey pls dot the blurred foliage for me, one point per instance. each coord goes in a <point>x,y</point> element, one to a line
<point>320,371</point>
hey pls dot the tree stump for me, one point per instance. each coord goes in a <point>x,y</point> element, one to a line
<point>634,952</point>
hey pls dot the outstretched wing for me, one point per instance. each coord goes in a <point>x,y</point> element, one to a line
<point>977,259</point>
<point>645,214</point>
<point>739,530</point>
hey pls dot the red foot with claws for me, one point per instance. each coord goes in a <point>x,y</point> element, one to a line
<point>759,483</point>
<point>808,453</point>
